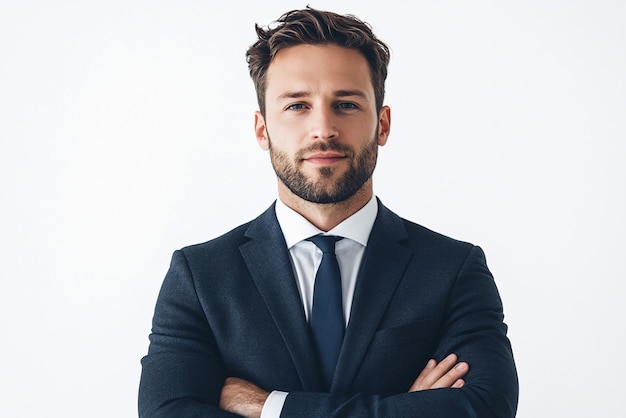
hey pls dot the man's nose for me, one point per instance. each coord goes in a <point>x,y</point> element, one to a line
<point>323,124</point>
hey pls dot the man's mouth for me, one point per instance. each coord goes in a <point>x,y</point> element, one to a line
<point>324,157</point>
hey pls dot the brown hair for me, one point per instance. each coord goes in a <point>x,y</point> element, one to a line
<point>310,26</point>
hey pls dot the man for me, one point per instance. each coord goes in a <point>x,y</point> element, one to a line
<point>258,321</point>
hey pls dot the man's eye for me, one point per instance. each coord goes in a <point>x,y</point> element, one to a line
<point>295,106</point>
<point>347,106</point>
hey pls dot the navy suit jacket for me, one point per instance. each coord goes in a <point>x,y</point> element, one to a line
<point>231,307</point>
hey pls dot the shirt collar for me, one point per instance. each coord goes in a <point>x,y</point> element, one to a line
<point>357,227</point>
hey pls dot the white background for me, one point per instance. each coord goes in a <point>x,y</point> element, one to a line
<point>126,133</point>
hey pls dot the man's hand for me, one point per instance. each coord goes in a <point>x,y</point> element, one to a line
<point>242,397</point>
<point>447,374</point>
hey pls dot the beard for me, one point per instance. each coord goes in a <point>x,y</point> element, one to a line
<point>325,189</point>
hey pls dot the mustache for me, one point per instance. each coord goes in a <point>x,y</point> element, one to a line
<point>325,146</point>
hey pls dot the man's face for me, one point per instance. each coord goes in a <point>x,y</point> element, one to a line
<point>321,126</point>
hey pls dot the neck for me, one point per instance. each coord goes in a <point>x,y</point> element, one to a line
<point>326,216</point>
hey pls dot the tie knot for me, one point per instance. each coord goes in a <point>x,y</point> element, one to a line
<point>326,243</point>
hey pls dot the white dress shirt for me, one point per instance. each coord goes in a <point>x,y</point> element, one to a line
<point>306,258</point>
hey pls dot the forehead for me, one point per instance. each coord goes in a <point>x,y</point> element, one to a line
<point>317,68</point>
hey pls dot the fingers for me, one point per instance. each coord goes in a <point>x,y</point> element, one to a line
<point>447,374</point>
<point>458,384</point>
<point>420,382</point>
<point>450,372</point>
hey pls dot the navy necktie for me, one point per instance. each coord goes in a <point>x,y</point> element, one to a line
<point>327,323</point>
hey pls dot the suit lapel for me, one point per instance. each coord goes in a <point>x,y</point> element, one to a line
<point>267,259</point>
<point>383,265</point>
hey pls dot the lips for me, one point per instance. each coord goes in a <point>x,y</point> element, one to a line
<point>324,158</point>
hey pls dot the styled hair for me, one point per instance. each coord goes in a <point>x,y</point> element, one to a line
<point>315,27</point>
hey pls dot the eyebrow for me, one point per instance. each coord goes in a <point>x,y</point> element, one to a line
<point>337,93</point>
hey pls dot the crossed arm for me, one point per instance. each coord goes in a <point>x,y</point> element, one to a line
<point>246,399</point>
<point>184,373</point>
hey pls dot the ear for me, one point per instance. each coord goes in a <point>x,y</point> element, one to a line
<point>384,125</point>
<point>260,130</point>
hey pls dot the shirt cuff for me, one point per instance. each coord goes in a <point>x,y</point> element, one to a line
<point>273,405</point>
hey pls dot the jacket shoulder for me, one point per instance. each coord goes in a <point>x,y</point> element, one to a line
<point>231,239</point>
<point>418,236</point>
<point>416,230</point>
<point>230,242</point>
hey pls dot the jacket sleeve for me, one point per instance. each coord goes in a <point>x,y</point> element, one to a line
<point>182,374</point>
<point>475,331</point>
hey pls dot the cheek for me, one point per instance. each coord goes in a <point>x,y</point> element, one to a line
<point>361,127</point>
<point>278,145</point>
<point>284,138</point>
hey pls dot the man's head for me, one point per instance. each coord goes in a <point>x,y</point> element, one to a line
<point>314,27</point>
<point>322,118</point>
